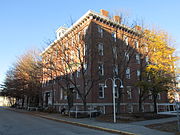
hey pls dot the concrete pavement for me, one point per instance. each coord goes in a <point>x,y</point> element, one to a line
<point>119,128</point>
<point>14,123</point>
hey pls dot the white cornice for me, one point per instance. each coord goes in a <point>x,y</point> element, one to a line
<point>86,16</point>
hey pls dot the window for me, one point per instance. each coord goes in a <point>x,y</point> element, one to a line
<point>138,73</point>
<point>101,69</point>
<point>138,58</point>
<point>85,65</point>
<point>100,49</point>
<point>150,95</point>
<point>57,53</point>
<point>147,59</point>
<point>159,96</point>
<point>115,52</point>
<point>72,55</point>
<point>126,40</point>
<point>116,69</point>
<point>85,50</point>
<point>128,74</point>
<point>146,49</point>
<point>85,30</point>
<point>126,56</point>
<point>71,75</point>
<point>136,44</point>
<point>61,94</point>
<point>116,92</point>
<point>114,36</point>
<point>129,92</point>
<point>77,95</point>
<point>139,90</point>
<point>65,95</point>
<point>100,31</point>
<point>129,108</point>
<point>79,37</point>
<point>78,73</point>
<point>101,90</point>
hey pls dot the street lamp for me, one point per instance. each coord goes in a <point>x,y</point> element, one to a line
<point>113,88</point>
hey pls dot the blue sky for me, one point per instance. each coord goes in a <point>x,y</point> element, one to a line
<point>26,24</point>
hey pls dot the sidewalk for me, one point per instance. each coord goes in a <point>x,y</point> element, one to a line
<point>134,128</point>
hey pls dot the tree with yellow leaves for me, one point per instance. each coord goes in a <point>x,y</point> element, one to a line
<point>159,75</point>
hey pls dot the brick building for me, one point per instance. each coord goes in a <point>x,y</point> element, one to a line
<point>85,56</point>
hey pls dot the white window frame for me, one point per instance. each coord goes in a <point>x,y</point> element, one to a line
<point>100,30</point>
<point>150,95</point>
<point>79,36</point>
<point>139,90</point>
<point>85,65</point>
<point>116,69</point>
<point>130,108</point>
<point>116,92</point>
<point>126,40</point>
<point>128,73</point>
<point>85,50</point>
<point>77,95</point>
<point>101,49</point>
<point>61,94</point>
<point>78,73</point>
<point>129,92</point>
<point>115,52</point>
<point>126,56</point>
<point>138,73</point>
<point>85,30</point>
<point>147,59</point>
<point>136,44</point>
<point>114,36</point>
<point>159,96</point>
<point>138,58</point>
<point>102,86</point>
<point>65,95</point>
<point>102,69</point>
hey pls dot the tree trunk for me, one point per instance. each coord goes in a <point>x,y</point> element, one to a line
<point>155,103</point>
<point>140,104</point>
<point>84,105</point>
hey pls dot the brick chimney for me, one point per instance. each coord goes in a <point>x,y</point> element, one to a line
<point>104,12</point>
<point>138,27</point>
<point>117,19</point>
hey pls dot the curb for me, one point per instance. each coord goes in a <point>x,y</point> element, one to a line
<point>87,126</point>
<point>79,124</point>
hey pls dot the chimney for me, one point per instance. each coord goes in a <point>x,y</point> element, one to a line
<point>138,27</point>
<point>104,12</point>
<point>117,19</point>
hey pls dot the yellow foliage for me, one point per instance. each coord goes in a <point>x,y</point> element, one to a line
<point>159,51</point>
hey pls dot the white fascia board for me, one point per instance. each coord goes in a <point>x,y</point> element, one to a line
<point>89,13</point>
<point>68,30</point>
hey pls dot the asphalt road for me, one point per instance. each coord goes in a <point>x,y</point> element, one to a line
<point>14,123</point>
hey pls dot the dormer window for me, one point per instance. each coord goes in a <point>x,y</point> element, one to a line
<point>60,32</point>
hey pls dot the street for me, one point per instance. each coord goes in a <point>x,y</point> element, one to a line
<point>14,123</point>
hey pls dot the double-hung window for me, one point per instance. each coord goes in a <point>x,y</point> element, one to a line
<point>100,31</point>
<point>101,90</point>
<point>100,49</point>
<point>114,36</point>
<point>138,73</point>
<point>138,58</point>
<point>128,73</point>
<point>129,92</point>
<point>101,69</point>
